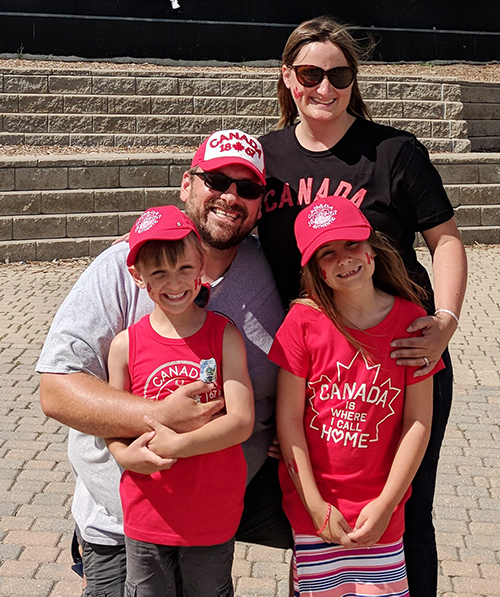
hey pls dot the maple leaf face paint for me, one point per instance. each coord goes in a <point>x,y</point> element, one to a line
<point>297,94</point>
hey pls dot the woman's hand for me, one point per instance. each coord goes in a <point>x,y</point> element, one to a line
<point>424,351</point>
<point>136,455</point>
<point>371,524</point>
<point>336,529</point>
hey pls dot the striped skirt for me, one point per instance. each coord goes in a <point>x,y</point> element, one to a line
<point>326,570</point>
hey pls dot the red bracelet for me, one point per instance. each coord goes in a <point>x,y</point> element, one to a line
<point>328,510</point>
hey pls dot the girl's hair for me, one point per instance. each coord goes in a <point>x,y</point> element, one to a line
<point>155,252</point>
<point>390,276</point>
<point>321,29</point>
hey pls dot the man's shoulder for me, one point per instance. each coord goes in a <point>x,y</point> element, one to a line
<point>109,265</point>
<point>250,259</point>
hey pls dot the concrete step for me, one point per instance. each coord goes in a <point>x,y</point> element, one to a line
<point>71,206</point>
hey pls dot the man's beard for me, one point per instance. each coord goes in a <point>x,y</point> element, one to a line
<point>222,235</point>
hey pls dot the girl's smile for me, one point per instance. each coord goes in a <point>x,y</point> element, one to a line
<point>344,262</point>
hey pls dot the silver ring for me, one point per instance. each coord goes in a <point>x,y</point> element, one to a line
<point>426,361</point>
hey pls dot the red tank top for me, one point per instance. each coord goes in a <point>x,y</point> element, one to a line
<point>198,501</point>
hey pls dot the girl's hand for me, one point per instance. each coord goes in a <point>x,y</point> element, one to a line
<point>371,524</point>
<point>137,457</point>
<point>336,529</point>
<point>424,351</point>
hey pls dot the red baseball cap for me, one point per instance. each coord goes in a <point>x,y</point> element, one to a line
<point>158,223</point>
<point>332,218</point>
<point>225,148</point>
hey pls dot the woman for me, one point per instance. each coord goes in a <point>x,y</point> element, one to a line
<point>335,149</point>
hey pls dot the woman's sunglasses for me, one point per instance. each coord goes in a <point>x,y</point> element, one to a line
<point>220,182</point>
<point>340,77</point>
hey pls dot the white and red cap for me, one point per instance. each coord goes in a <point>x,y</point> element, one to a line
<point>166,222</point>
<point>225,148</point>
<point>325,220</point>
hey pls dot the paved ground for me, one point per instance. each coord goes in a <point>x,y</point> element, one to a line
<point>36,482</point>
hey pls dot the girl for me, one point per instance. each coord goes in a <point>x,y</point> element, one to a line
<point>352,426</point>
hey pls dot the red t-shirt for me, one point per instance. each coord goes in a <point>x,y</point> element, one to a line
<point>198,501</point>
<point>353,410</point>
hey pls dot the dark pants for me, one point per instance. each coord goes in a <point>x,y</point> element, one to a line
<point>263,522</point>
<point>419,538</point>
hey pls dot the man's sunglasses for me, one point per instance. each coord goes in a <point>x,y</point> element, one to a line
<point>220,182</point>
<point>340,77</point>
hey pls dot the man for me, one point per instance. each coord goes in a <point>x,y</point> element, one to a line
<point>222,193</point>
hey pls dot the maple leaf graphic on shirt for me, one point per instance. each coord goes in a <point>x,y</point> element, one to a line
<point>369,390</point>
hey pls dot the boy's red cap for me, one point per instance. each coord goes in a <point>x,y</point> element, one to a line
<point>158,223</point>
<point>332,218</point>
<point>225,148</point>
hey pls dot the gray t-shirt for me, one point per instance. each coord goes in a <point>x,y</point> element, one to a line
<point>104,301</point>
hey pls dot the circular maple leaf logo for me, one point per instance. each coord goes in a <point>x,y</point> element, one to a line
<point>321,216</point>
<point>147,221</point>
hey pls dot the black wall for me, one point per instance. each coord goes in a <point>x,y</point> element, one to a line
<point>245,30</point>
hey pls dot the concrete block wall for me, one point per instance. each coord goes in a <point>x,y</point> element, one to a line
<point>50,106</point>
<point>481,109</point>
<point>54,207</point>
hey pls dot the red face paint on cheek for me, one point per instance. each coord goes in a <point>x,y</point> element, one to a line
<point>369,258</point>
<point>197,283</point>
<point>323,273</point>
<point>296,93</point>
<point>148,287</point>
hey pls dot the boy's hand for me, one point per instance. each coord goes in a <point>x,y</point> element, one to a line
<point>371,524</point>
<point>165,441</point>
<point>182,412</point>
<point>137,457</point>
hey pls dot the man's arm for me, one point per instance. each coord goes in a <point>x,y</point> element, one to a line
<point>91,406</point>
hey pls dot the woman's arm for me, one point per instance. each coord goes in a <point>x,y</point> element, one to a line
<point>449,267</point>
<point>290,423</point>
<point>417,418</point>
<point>225,431</point>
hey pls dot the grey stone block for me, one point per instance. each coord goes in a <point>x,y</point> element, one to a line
<point>129,105</point>
<point>458,129</point>
<point>468,216</point>
<point>420,128</point>
<point>87,104</point>
<point>92,225</point>
<point>386,108</point>
<point>9,103</point>
<point>143,176</point>
<point>452,92</point>
<point>20,203</point>
<point>5,229</point>
<point>61,249</point>
<point>91,140</point>
<point>458,173</point>
<point>489,144</point>
<point>33,227</point>
<point>252,107</point>
<point>41,103</point>
<point>98,245</point>
<point>25,83</point>
<point>270,87</point>
<point>119,200</point>
<point>172,104</point>
<point>490,215</point>
<point>489,173</point>
<point>427,110</point>
<point>241,87</point>
<point>93,177</point>
<point>46,139</point>
<point>18,251</point>
<point>175,174</point>
<point>453,110</point>
<point>114,124</point>
<point>461,145</point>
<point>26,123</point>
<point>7,179</point>
<point>135,140</point>
<point>373,89</point>
<point>440,128</point>
<point>220,105</point>
<point>453,192</point>
<point>487,235</point>
<point>255,125</point>
<point>437,145</point>
<point>70,84</point>
<point>415,91</point>
<point>157,86</point>
<point>113,85</point>
<point>41,178</point>
<point>127,220</point>
<point>484,128</point>
<point>158,124</point>
<point>199,87</point>
<point>73,123</point>
<point>191,141</point>
<point>168,196</point>
<point>12,138</point>
<point>64,202</point>
<point>481,93</point>
<point>271,124</point>
<point>201,125</point>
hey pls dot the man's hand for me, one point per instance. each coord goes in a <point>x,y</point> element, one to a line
<point>424,351</point>
<point>137,457</point>
<point>274,450</point>
<point>182,412</point>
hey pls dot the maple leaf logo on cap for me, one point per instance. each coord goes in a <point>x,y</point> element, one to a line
<point>321,216</point>
<point>147,221</point>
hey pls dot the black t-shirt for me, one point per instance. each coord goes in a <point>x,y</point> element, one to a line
<point>385,171</point>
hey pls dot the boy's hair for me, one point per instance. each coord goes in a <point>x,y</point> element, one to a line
<point>155,252</point>
<point>390,276</point>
